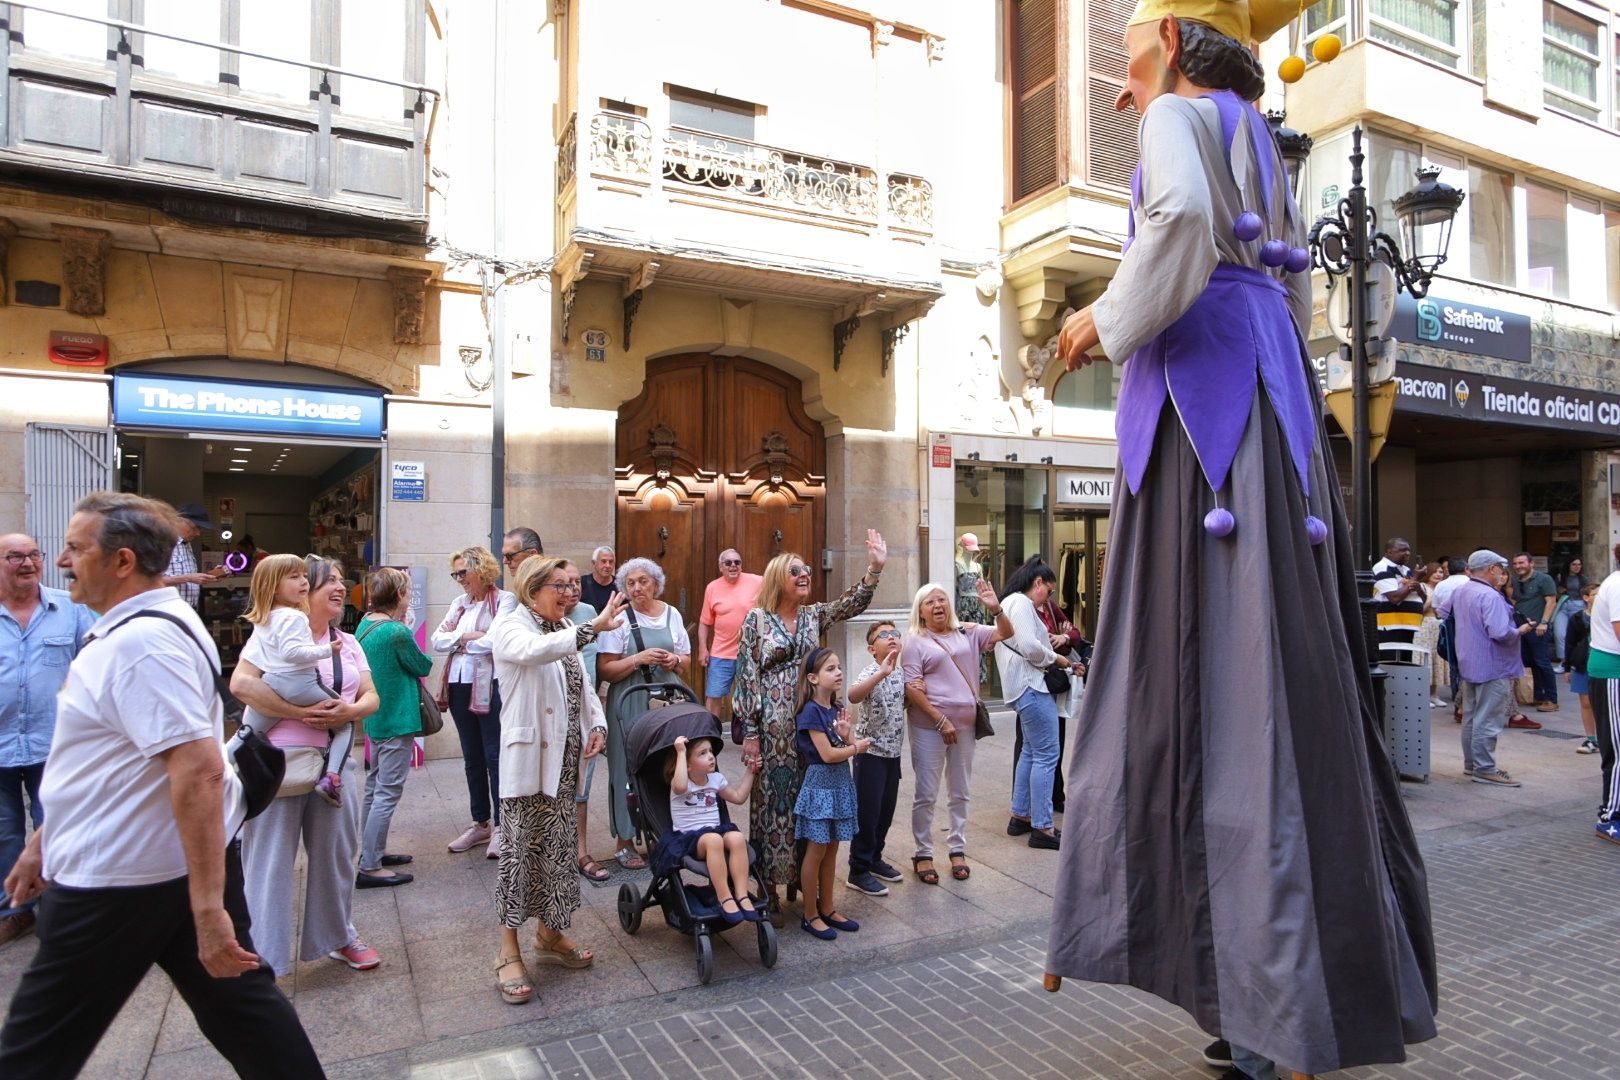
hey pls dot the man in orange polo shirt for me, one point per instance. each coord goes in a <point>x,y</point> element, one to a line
<point>726,602</point>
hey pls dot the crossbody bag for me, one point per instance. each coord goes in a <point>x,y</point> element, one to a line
<point>981,715</point>
<point>259,766</point>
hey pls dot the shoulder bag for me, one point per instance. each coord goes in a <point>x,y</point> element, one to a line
<point>259,766</point>
<point>981,715</point>
<point>427,705</point>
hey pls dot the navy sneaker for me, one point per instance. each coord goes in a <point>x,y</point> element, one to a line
<point>1218,1054</point>
<point>888,873</point>
<point>1609,830</point>
<point>866,883</point>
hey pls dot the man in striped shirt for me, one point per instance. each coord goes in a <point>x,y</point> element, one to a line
<point>1399,593</point>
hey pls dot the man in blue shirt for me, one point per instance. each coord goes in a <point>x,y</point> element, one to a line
<point>40,634</point>
<point>1487,647</point>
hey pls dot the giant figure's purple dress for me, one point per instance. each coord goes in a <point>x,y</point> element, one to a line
<point>1235,840</point>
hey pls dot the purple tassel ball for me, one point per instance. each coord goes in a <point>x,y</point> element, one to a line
<point>1316,529</point>
<point>1247,226</point>
<point>1298,261</point>
<point>1219,522</point>
<point>1274,253</point>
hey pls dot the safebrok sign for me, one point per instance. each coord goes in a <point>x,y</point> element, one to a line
<point>1450,324</point>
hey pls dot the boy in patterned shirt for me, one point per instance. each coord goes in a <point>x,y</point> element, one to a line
<point>881,694</point>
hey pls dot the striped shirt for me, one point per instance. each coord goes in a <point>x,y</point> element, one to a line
<point>1398,620</point>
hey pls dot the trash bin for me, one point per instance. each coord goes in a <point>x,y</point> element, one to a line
<point>1406,707</point>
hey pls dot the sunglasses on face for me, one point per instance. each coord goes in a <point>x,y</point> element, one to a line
<point>888,633</point>
<point>458,574</point>
<point>799,571</point>
<point>730,562</point>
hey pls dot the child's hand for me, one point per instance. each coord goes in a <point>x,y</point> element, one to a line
<point>337,646</point>
<point>841,725</point>
<point>861,745</point>
<point>680,742</point>
<point>886,665</point>
<point>755,764</point>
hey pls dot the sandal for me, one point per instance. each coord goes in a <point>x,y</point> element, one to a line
<point>929,876</point>
<point>575,957</point>
<point>513,991</point>
<point>593,869</point>
<point>627,858</point>
<point>961,871</point>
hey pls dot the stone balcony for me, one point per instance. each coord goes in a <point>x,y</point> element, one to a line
<point>741,217</point>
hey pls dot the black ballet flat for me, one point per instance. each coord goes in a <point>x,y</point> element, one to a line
<point>1018,826</point>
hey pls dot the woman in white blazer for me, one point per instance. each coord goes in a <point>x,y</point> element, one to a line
<point>550,721</point>
<point>1023,661</point>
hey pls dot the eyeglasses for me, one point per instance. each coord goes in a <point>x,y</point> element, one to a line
<point>730,562</point>
<point>888,633</point>
<point>508,556</point>
<point>799,571</point>
<point>561,586</point>
<point>17,558</point>
<point>458,574</point>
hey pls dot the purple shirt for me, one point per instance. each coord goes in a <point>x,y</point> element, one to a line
<point>1487,640</point>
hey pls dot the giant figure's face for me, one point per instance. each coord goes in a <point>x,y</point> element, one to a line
<point>1150,70</point>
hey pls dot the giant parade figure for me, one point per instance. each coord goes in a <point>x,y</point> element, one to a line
<point>1235,840</point>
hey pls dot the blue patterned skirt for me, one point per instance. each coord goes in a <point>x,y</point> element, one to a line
<point>826,808</point>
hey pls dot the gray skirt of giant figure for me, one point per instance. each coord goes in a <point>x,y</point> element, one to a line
<point>1235,841</point>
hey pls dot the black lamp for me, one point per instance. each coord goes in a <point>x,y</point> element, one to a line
<point>1426,214</point>
<point>1294,146</point>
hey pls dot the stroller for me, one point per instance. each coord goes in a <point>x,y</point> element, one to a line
<point>688,907</point>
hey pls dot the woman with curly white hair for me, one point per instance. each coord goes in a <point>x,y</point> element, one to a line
<point>649,646</point>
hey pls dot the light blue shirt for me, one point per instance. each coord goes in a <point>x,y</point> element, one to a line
<point>33,666</point>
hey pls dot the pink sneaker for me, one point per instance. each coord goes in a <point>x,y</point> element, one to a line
<point>358,955</point>
<point>329,788</point>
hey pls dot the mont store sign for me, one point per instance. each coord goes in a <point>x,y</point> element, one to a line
<point>1468,395</point>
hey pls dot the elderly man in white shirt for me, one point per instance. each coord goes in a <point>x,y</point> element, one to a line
<point>137,840</point>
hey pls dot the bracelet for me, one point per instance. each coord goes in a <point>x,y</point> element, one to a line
<point>874,573</point>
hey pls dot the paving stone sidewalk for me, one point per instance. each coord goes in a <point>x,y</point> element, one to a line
<point>1526,926</point>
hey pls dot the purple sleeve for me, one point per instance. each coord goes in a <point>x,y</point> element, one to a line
<point>981,635</point>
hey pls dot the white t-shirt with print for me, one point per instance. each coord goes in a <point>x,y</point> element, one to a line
<point>699,808</point>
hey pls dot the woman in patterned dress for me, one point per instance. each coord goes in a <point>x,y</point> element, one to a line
<point>549,720</point>
<point>777,637</point>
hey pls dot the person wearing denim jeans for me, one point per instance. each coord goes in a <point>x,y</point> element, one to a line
<point>41,631</point>
<point>1535,596</point>
<point>1032,775</point>
<point>1023,661</point>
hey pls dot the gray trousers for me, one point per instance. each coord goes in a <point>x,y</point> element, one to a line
<point>331,838</point>
<point>1485,714</point>
<point>385,783</point>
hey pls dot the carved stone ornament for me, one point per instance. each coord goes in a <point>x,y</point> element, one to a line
<point>936,47</point>
<point>842,332</point>
<point>661,444</point>
<point>84,267</point>
<point>892,337</point>
<point>777,457</point>
<point>882,34</point>
<point>410,303</point>
<point>8,229</point>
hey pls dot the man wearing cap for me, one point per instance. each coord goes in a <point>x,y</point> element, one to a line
<point>182,572</point>
<point>1487,645</point>
<point>1246,855</point>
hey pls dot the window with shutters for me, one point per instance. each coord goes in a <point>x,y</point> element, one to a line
<point>1111,147</point>
<point>1035,80</point>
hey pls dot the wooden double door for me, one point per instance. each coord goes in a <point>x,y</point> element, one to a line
<point>716,453</point>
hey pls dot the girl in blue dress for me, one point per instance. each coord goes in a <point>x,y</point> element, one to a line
<point>825,814</point>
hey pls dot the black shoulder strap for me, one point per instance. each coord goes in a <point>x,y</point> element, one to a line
<point>641,646</point>
<point>221,684</point>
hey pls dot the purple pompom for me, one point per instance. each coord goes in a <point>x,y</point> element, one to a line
<point>1298,261</point>
<point>1247,226</point>
<point>1219,522</point>
<point>1316,530</point>
<point>1274,253</point>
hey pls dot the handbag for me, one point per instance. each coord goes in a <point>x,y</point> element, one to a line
<point>981,715</point>
<point>427,704</point>
<point>1057,680</point>
<point>259,766</point>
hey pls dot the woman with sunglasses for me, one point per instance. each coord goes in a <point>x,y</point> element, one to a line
<point>473,694</point>
<point>777,637</point>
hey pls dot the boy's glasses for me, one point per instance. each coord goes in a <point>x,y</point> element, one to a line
<point>888,633</point>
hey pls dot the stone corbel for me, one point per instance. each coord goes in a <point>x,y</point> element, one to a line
<point>882,34</point>
<point>572,265</point>
<point>8,229</point>
<point>84,267</point>
<point>635,285</point>
<point>1040,296</point>
<point>409,285</point>
<point>936,48</point>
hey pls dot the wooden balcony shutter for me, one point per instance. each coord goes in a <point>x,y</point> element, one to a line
<point>1037,104</point>
<point>1111,149</point>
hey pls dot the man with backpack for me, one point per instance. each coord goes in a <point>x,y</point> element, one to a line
<point>133,863</point>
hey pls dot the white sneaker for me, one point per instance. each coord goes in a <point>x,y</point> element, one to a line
<point>476,834</point>
<point>494,851</point>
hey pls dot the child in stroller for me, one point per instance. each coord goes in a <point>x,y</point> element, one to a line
<point>712,903</point>
<point>696,787</point>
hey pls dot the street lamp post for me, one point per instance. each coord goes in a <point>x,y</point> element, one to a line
<point>1346,244</point>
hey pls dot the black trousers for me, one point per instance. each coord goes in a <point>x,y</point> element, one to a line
<point>480,735</point>
<point>95,946</point>
<point>1063,758</point>
<point>877,787</point>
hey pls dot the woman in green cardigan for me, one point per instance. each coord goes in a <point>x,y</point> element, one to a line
<point>396,665</point>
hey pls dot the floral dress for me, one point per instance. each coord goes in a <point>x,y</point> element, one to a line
<point>770,660</point>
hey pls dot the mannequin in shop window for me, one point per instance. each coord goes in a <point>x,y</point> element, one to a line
<point>969,608</point>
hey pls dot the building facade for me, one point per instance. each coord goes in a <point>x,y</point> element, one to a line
<point>1509,403</point>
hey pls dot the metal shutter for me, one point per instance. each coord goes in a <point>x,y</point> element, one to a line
<point>61,465</point>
